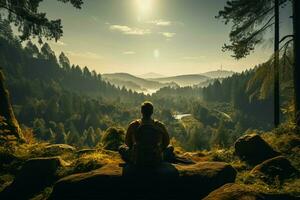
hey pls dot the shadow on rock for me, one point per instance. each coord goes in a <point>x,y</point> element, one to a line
<point>34,176</point>
<point>168,181</point>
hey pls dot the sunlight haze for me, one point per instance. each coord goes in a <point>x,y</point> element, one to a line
<point>168,37</point>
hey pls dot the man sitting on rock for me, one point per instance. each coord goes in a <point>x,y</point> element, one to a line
<point>146,140</point>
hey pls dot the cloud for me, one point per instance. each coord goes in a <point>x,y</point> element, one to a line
<point>129,31</point>
<point>86,55</point>
<point>161,22</point>
<point>168,34</point>
<point>129,52</point>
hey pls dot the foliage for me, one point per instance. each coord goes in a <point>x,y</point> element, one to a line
<point>251,94</point>
<point>28,135</point>
<point>88,162</point>
<point>65,103</point>
<point>3,126</point>
<point>61,104</point>
<point>113,138</point>
<point>250,21</point>
<point>221,136</point>
<point>25,15</point>
<point>290,186</point>
<point>5,180</point>
<point>285,140</point>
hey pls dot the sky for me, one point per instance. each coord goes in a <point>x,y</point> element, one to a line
<point>168,37</point>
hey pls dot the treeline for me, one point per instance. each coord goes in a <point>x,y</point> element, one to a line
<point>251,93</point>
<point>62,103</point>
<point>227,108</point>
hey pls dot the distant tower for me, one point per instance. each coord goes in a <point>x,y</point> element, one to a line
<point>221,67</point>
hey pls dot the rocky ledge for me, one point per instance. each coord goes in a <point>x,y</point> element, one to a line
<point>169,181</point>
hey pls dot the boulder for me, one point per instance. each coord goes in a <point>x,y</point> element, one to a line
<point>58,149</point>
<point>34,176</point>
<point>253,149</point>
<point>278,167</point>
<point>232,191</point>
<point>86,151</point>
<point>169,181</point>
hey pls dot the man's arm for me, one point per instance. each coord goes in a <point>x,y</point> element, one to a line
<point>128,137</point>
<point>166,137</point>
<point>130,134</point>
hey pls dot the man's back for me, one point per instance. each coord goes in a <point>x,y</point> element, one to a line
<point>134,126</point>
<point>148,139</point>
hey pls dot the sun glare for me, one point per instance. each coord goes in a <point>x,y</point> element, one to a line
<point>145,6</point>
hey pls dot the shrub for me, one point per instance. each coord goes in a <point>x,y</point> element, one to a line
<point>28,135</point>
<point>113,138</point>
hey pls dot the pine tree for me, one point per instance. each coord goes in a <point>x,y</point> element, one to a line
<point>39,129</point>
<point>26,16</point>
<point>90,138</point>
<point>60,134</point>
<point>48,53</point>
<point>221,137</point>
<point>296,23</point>
<point>64,61</point>
<point>32,50</point>
<point>250,21</point>
<point>30,22</point>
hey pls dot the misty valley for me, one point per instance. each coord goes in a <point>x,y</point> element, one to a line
<point>64,103</point>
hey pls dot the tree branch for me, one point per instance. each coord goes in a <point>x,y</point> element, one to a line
<point>267,25</point>
<point>285,47</point>
<point>286,44</point>
<point>7,8</point>
<point>285,37</point>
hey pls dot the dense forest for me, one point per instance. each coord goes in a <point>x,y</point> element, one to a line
<point>65,103</point>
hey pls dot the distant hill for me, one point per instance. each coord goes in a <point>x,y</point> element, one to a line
<point>218,74</point>
<point>184,80</point>
<point>132,82</point>
<point>151,75</point>
<point>154,81</point>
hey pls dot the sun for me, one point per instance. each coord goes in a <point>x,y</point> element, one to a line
<point>145,6</point>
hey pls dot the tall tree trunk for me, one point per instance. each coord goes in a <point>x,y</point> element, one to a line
<point>296,23</point>
<point>6,110</point>
<point>276,68</point>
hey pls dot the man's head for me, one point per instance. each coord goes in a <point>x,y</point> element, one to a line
<point>147,109</point>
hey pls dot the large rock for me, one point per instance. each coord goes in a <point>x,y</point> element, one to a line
<point>85,151</point>
<point>34,176</point>
<point>234,191</point>
<point>253,149</point>
<point>58,149</point>
<point>278,167</point>
<point>168,182</point>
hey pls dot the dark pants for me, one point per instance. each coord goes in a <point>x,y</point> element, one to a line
<point>126,154</point>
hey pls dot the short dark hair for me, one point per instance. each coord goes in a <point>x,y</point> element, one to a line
<point>147,109</point>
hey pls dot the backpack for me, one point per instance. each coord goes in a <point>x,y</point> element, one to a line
<point>147,149</point>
